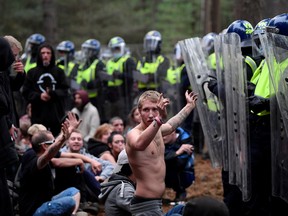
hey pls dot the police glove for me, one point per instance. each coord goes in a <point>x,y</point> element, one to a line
<point>258,104</point>
<point>213,87</point>
<point>117,75</point>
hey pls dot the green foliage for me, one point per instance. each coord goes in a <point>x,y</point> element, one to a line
<point>79,20</point>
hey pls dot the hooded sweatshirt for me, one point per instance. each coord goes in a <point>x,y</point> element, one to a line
<point>46,78</point>
<point>8,154</point>
<point>117,194</point>
<point>89,115</point>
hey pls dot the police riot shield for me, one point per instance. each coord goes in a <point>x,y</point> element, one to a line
<point>221,97</point>
<point>235,88</point>
<point>275,48</point>
<point>207,103</point>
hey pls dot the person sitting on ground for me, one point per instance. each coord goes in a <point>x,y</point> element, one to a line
<point>133,119</point>
<point>117,123</point>
<point>36,179</point>
<point>116,143</point>
<point>179,160</point>
<point>87,112</point>
<point>118,191</point>
<point>75,145</point>
<point>98,145</point>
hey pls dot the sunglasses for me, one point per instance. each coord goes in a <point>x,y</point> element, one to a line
<point>49,142</point>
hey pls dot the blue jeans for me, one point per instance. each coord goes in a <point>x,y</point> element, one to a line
<point>61,204</point>
<point>176,211</point>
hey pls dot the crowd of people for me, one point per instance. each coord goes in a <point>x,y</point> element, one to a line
<point>81,129</point>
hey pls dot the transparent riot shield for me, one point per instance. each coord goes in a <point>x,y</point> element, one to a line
<point>222,103</point>
<point>235,88</point>
<point>207,103</point>
<point>275,49</point>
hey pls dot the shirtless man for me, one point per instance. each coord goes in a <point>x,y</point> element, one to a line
<point>145,150</point>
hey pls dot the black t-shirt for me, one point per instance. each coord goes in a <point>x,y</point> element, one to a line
<point>36,186</point>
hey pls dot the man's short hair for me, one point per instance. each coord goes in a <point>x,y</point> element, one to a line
<point>36,128</point>
<point>150,95</point>
<point>38,138</point>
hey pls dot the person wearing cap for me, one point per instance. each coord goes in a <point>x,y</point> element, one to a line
<point>87,112</point>
<point>118,192</point>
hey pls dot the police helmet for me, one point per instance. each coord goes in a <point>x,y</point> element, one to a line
<point>260,28</point>
<point>207,42</point>
<point>66,46</point>
<point>36,39</point>
<point>152,42</point>
<point>279,24</point>
<point>91,48</point>
<point>117,46</point>
<point>244,29</point>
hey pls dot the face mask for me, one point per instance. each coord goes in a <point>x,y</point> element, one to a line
<point>117,55</point>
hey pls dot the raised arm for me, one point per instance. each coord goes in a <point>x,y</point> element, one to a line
<point>70,123</point>
<point>176,120</point>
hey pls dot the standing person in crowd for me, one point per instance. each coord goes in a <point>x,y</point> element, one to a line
<point>145,150</point>
<point>153,66</point>
<point>87,112</point>
<point>116,143</point>
<point>88,73</point>
<point>17,77</point>
<point>75,145</point>
<point>31,50</point>
<point>36,179</point>
<point>98,144</point>
<point>46,88</point>
<point>120,67</point>
<point>117,123</point>
<point>65,61</point>
<point>8,154</point>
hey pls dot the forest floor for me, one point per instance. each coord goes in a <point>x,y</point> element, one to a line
<point>207,182</point>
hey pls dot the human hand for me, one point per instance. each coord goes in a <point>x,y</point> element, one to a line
<point>18,66</point>
<point>45,96</point>
<point>99,179</point>
<point>162,103</point>
<point>96,167</point>
<point>73,122</point>
<point>191,98</point>
<point>13,132</point>
<point>188,148</point>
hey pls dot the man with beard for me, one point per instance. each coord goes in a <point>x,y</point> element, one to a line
<point>87,112</point>
<point>46,88</point>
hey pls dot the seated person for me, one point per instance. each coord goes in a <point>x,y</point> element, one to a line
<point>75,145</point>
<point>118,192</point>
<point>116,143</point>
<point>117,123</point>
<point>36,179</point>
<point>98,145</point>
<point>179,161</point>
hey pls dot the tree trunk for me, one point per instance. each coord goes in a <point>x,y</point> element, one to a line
<point>250,10</point>
<point>210,16</point>
<point>49,21</point>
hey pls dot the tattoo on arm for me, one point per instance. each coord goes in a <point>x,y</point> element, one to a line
<point>176,120</point>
